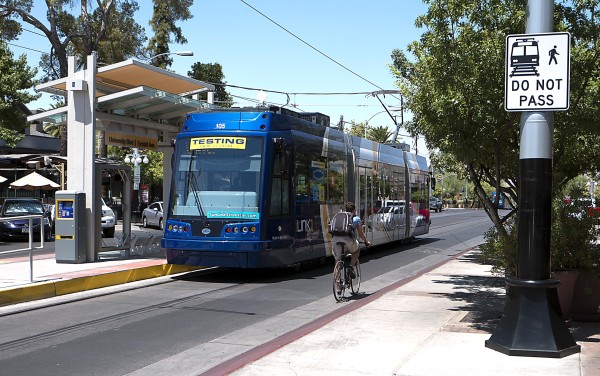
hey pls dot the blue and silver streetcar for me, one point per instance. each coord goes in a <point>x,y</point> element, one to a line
<point>255,188</point>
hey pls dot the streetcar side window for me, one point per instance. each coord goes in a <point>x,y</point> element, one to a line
<point>302,191</point>
<point>318,179</point>
<point>280,189</point>
<point>336,180</point>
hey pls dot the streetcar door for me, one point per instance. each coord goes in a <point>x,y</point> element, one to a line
<point>397,195</point>
<point>364,206</point>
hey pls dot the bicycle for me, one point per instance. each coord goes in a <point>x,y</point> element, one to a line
<point>341,275</point>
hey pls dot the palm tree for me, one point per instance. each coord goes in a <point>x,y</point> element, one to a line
<point>379,134</point>
<point>54,129</point>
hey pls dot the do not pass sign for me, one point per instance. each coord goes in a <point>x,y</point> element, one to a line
<point>537,72</point>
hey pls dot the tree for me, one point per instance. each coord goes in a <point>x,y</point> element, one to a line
<point>357,129</point>
<point>17,78</point>
<point>150,173</point>
<point>109,29</point>
<point>212,73</point>
<point>379,134</point>
<point>166,14</point>
<point>454,86</point>
<point>577,188</point>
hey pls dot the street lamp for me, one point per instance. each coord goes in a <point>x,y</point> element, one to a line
<point>136,158</point>
<point>179,53</point>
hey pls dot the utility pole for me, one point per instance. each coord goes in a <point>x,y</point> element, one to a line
<point>416,144</point>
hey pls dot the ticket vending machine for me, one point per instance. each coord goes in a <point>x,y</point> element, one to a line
<point>69,225</point>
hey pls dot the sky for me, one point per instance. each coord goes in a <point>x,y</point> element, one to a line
<point>337,46</point>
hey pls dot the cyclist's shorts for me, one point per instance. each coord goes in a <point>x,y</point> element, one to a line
<point>351,245</point>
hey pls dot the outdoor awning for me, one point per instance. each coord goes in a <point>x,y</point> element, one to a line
<point>161,102</point>
<point>34,181</point>
<point>128,74</point>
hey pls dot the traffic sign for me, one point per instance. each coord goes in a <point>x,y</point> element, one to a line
<point>537,72</point>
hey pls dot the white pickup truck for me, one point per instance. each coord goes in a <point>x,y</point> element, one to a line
<point>435,204</point>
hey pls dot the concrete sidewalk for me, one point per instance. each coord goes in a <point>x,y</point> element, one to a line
<point>436,324</point>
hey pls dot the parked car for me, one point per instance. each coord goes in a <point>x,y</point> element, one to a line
<point>153,215</point>
<point>108,221</point>
<point>435,204</point>
<point>18,229</point>
<point>52,215</point>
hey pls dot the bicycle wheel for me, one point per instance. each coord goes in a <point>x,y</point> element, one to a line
<point>338,281</point>
<point>355,282</point>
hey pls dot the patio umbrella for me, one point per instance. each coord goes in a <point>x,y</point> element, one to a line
<point>32,182</point>
<point>2,179</point>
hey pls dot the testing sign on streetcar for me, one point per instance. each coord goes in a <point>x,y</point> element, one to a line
<point>537,72</point>
<point>198,143</point>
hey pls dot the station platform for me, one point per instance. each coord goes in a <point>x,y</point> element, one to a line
<point>50,279</point>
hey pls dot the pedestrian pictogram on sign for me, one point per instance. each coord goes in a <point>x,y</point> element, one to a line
<point>537,72</point>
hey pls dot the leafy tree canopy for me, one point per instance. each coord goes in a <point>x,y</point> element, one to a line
<point>379,134</point>
<point>150,173</point>
<point>454,86</point>
<point>166,14</point>
<point>17,79</point>
<point>212,73</point>
<point>357,129</point>
<point>78,28</point>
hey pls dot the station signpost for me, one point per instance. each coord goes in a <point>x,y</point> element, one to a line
<point>537,83</point>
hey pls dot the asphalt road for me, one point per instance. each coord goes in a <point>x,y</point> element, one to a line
<point>188,325</point>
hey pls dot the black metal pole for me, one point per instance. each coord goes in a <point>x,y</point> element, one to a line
<point>531,324</point>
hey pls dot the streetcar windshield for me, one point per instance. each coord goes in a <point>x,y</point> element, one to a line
<point>217,178</point>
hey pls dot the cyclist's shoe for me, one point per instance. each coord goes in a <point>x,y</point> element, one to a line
<point>351,272</point>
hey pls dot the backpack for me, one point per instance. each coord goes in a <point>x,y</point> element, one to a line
<point>341,224</point>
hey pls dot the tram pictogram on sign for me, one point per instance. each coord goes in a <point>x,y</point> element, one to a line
<point>537,72</point>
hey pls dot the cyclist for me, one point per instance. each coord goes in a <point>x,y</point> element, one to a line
<point>351,242</point>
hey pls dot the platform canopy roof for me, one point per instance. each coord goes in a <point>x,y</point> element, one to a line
<point>136,90</point>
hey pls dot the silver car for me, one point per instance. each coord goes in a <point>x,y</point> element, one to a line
<point>108,221</point>
<point>153,215</point>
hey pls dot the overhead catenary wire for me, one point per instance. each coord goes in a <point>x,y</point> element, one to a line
<point>268,90</point>
<point>299,93</point>
<point>329,58</point>
<point>33,32</point>
<point>311,46</point>
<point>26,48</point>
